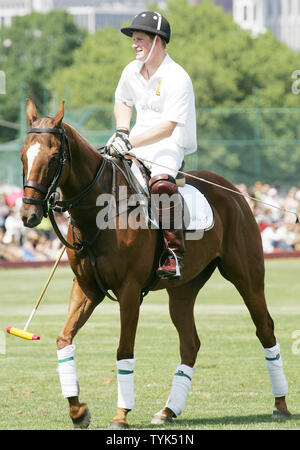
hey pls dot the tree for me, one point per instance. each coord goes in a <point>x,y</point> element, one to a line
<point>30,51</point>
<point>227,66</point>
<point>231,69</point>
<point>93,77</point>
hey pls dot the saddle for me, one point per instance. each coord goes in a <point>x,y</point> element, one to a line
<point>198,215</point>
<point>180,178</point>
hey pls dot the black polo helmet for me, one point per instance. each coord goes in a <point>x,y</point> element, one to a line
<point>150,22</point>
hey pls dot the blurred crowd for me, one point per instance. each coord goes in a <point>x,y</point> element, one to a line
<point>18,243</point>
<point>275,213</point>
<point>278,229</point>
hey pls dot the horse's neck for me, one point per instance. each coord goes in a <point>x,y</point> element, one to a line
<point>85,161</point>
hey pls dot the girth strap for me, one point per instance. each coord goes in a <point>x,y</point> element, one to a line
<point>80,246</point>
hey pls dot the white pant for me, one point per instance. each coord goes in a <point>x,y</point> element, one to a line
<point>163,157</point>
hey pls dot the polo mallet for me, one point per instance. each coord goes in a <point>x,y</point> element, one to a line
<point>24,333</point>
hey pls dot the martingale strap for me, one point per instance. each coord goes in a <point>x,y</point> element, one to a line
<point>65,205</point>
<point>56,205</point>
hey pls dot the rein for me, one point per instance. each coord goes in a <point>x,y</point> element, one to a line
<point>220,186</point>
<point>50,202</point>
<point>49,191</point>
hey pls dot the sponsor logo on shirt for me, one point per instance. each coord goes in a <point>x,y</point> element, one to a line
<point>158,88</point>
<point>151,106</point>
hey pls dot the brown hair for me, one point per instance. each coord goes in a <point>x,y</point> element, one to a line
<point>152,36</point>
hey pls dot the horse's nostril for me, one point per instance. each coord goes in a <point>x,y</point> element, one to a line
<point>31,221</point>
<point>33,218</point>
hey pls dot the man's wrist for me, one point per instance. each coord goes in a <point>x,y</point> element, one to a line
<point>122,130</point>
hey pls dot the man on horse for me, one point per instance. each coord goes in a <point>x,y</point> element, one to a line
<point>165,128</point>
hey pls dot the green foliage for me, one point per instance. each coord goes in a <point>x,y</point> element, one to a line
<point>225,62</point>
<point>93,77</point>
<point>30,51</point>
<point>229,68</point>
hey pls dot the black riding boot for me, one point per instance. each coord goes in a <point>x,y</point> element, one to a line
<point>170,220</point>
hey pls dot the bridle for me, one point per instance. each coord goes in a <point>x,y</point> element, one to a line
<point>49,192</point>
<point>50,202</point>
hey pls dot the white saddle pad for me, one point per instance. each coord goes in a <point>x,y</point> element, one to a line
<point>199,215</point>
<point>199,210</point>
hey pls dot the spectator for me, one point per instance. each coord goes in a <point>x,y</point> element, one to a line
<point>4,211</point>
<point>273,238</point>
<point>14,228</point>
<point>278,229</point>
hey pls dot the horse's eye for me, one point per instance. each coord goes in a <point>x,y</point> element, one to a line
<point>53,160</point>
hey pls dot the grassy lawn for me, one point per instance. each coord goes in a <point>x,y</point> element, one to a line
<point>230,388</point>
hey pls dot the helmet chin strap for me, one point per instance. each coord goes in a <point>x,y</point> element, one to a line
<point>151,50</point>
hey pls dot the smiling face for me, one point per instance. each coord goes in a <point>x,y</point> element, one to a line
<point>142,44</point>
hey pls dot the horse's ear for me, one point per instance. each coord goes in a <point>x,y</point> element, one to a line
<point>31,111</point>
<point>59,115</point>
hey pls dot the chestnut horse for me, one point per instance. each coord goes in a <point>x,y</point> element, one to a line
<point>55,154</point>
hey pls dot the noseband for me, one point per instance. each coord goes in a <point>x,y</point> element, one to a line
<point>49,191</point>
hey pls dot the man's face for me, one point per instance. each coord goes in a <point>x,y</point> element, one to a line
<point>141,45</point>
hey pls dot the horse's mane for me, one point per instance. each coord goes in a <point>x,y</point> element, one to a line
<point>81,138</point>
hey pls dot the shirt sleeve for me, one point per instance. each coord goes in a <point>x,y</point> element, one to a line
<point>179,101</point>
<point>123,93</point>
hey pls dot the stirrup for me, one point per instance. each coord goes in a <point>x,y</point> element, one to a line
<point>178,272</point>
<point>177,275</point>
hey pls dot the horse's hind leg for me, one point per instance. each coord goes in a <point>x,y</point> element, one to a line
<point>248,277</point>
<point>80,309</point>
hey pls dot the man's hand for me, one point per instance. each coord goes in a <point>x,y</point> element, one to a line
<point>118,145</point>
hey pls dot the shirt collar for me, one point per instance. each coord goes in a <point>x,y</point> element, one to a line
<point>166,60</point>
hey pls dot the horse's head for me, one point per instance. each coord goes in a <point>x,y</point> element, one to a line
<point>43,158</point>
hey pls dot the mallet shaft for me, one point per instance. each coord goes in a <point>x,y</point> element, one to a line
<point>49,279</point>
<point>30,319</point>
<point>44,288</point>
<point>24,333</point>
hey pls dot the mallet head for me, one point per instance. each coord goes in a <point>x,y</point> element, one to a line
<point>22,334</point>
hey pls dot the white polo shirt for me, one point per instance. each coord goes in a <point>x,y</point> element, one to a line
<point>168,95</point>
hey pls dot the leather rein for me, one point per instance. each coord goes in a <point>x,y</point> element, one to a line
<point>51,203</point>
<point>48,191</point>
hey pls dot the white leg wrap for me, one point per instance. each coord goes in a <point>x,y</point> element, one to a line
<point>180,388</point>
<point>279,385</point>
<point>126,383</point>
<point>67,371</point>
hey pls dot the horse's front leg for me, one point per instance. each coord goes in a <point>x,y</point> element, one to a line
<point>80,309</point>
<point>129,301</point>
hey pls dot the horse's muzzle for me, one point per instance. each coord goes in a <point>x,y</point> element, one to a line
<point>31,215</point>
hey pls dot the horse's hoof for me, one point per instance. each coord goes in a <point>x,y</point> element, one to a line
<point>114,425</point>
<point>161,419</point>
<point>277,414</point>
<point>83,421</point>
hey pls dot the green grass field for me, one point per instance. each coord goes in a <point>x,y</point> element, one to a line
<point>230,388</point>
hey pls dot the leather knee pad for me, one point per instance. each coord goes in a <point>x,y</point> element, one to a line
<point>163,184</point>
